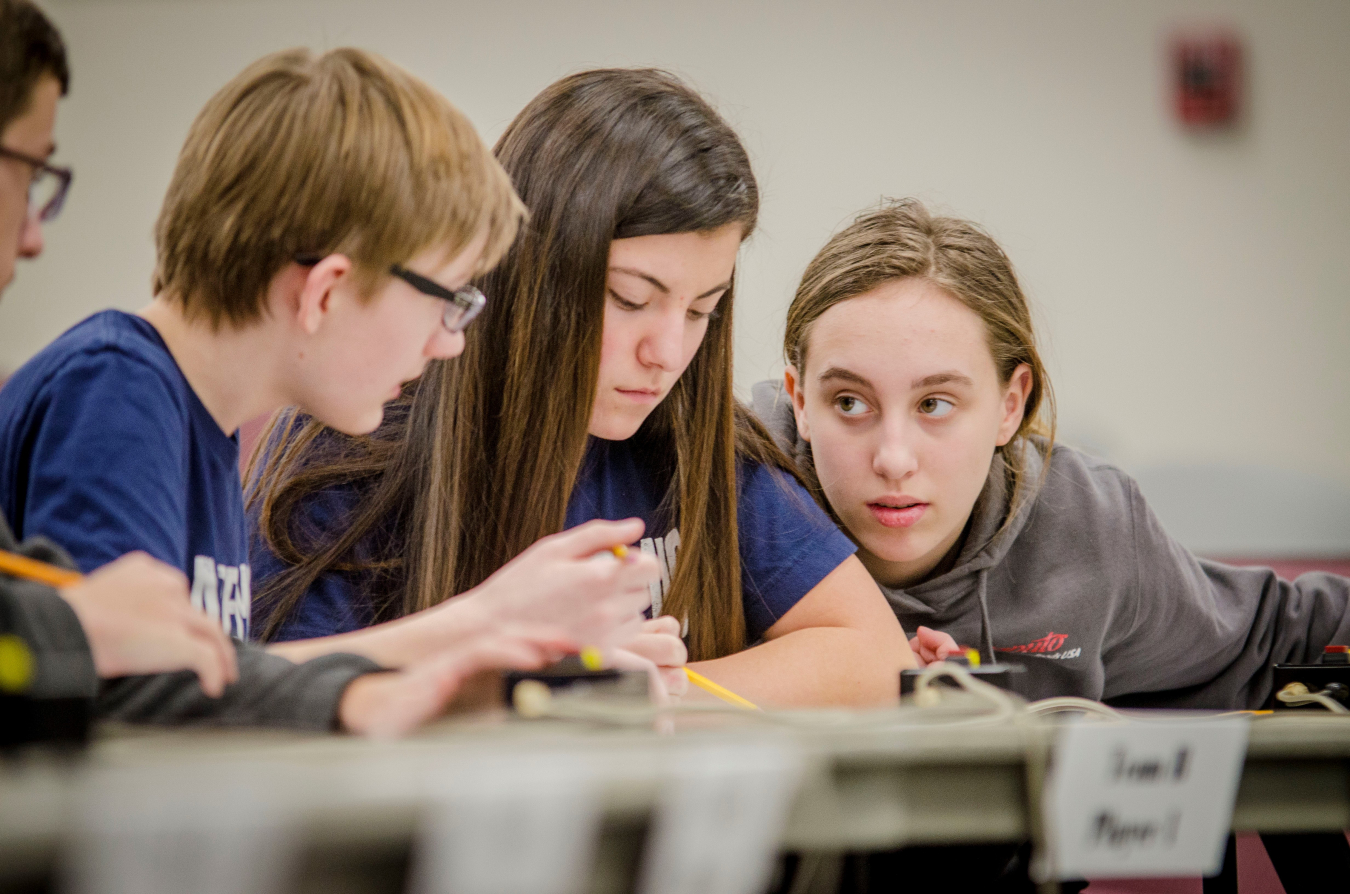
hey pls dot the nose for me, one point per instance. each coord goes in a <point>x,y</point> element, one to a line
<point>895,458</point>
<point>662,345</point>
<point>445,344</point>
<point>30,237</point>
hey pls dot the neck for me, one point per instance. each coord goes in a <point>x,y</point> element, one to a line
<point>233,370</point>
<point>898,575</point>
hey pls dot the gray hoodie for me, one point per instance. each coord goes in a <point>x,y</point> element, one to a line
<point>270,691</point>
<point>1085,588</point>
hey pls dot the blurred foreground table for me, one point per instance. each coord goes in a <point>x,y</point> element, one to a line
<point>869,781</point>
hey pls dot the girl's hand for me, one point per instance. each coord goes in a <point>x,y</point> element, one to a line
<point>658,649</point>
<point>569,589</point>
<point>930,645</point>
<point>573,583</point>
<point>390,704</point>
<point>138,619</point>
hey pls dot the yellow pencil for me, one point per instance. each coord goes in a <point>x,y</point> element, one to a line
<point>720,691</point>
<point>591,657</point>
<point>16,565</point>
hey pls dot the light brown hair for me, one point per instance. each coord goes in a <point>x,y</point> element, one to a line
<point>302,154</point>
<point>480,459</point>
<point>900,239</point>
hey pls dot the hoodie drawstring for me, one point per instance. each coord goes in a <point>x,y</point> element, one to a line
<point>986,628</point>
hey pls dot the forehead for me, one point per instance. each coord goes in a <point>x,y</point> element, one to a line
<point>31,132</point>
<point>680,260</point>
<point>902,330</point>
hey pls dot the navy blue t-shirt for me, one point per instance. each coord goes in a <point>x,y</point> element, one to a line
<point>787,544</point>
<point>105,449</point>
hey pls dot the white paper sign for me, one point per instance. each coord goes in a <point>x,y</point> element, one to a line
<point>719,820</point>
<point>1147,798</point>
<point>519,824</point>
<point>206,828</point>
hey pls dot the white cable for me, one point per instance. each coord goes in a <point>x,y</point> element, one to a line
<point>1298,694</point>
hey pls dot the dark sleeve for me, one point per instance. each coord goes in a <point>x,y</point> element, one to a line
<point>1205,634</point>
<point>788,545</point>
<point>271,691</point>
<point>63,666</point>
<point>106,472</point>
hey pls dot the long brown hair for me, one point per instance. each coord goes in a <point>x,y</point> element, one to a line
<point>481,458</point>
<point>900,239</point>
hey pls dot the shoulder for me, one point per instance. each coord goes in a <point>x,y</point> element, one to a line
<point>111,358</point>
<point>772,504</point>
<point>1075,480</point>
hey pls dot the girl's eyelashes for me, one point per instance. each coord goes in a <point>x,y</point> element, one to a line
<point>699,315</point>
<point>935,407</point>
<point>850,406</point>
<point>624,303</point>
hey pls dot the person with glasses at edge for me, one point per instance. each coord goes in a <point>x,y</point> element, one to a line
<point>108,446</point>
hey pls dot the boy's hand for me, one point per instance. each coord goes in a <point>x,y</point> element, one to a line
<point>138,619</point>
<point>387,705</point>
<point>930,645</point>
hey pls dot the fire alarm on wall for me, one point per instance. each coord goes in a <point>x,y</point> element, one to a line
<point>1207,78</point>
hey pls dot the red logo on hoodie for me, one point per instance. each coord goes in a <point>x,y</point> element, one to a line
<point>1051,642</point>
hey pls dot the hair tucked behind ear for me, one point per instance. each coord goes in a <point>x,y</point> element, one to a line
<point>483,459</point>
<point>900,239</point>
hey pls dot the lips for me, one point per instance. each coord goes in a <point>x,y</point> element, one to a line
<point>645,395</point>
<point>899,512</point>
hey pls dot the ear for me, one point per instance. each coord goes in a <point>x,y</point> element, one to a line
<point>1015,402</point>
<point>309,298</point>
<point>797,394</point>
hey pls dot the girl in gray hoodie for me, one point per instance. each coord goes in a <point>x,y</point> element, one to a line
<point>917,407</point>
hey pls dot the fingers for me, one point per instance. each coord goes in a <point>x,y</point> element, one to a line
<point>668,624</point>
<point>662,649</point>
<point>208,631</point>
<point>933,645</point>
<point>676,680</point>
<point>656,684</point>
<point>205,661</point>
<point>594,536</point>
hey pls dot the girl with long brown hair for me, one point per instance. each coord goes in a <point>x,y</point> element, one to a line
<point>598,385</point>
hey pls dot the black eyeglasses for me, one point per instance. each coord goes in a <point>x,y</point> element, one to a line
<point>461,305</point>
<point>47,190</point>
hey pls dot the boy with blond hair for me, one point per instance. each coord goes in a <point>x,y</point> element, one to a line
<point>314,249</point>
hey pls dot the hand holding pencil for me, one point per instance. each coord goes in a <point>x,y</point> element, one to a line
<point>138,619</point>
<point>562,581</point>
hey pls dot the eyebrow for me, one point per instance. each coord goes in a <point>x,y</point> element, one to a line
<point>950,377</point>
<point>838,373</point>
<point>665,290</point>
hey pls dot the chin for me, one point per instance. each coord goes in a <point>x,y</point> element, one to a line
<point>615,427</point>
<point>357,425</point>
<point>890,546</point>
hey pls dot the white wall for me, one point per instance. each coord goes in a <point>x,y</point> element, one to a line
<point>1193,292</point>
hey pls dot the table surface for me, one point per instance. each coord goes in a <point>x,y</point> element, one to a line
<point>870,780</point>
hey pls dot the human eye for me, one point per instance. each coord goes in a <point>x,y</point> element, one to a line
<point>624,303</point>
<point>699,315</point>
<point>935,407</point>
<point>850,405</point>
